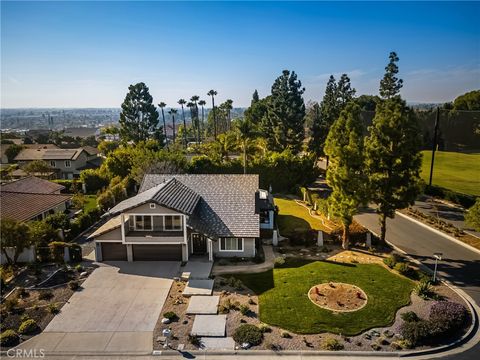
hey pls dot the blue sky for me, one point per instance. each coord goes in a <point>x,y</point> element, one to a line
<point>85,54</point>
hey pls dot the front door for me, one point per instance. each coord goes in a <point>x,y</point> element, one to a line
<point>199,244</point>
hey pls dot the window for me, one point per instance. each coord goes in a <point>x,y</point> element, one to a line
<point>143,222</point>
<point>173,222</point>
<point>152,206</point>
<point>231,244</point>
<point>264,217</point>
<point>53,163</point>
<point>68,163</point>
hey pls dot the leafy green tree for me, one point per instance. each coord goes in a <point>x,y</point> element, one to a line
<point>162,105</point>
<point>468,101</point>
<point>283,124</point>
<point>59,221</point>
<point>257,110</point>
<point>345,174</point>
<point>246,132</point>
<point>42,233</point>
<point>472,217</point>
<point>13,150</point>
<point>139,117</point>
<point>94,179</point>
<point>390,85</point>
<point>38,167</point>
<point>367,102</point>
<point>224,145</point>
<point>393,159</point>
<point>106,147</point>
<point>15,235</point>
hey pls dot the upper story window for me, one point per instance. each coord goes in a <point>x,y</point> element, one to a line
<point>68,163</point>
<point>53,163</point>
<point>173,222</point>
<point>143,222</point>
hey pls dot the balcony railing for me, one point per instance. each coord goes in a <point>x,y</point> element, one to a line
<point>154,236</point>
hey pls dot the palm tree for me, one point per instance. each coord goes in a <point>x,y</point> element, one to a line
<point>212,93</point>
<point>172,112</point>
<point>191,106</point>
<point>195,99</point>
<point>202,103</point>
<point>228,107</point>
<point>182,102</point>
<point>225,143</point>
<point>246,131</point>
<point>162,105</point>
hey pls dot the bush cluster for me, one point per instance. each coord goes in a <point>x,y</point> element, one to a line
<point>424,289</point>
<point>392,260</point>
<point>465,200</point>
<point>9,338</point>
<point>28,327</point>
<point>331,344</point>
<point>170,315</point>
<point>248,333</point>
<point>409,316</point>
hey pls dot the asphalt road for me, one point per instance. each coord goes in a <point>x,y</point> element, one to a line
<point>459,265</point>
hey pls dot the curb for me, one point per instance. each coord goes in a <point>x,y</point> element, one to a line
<point>451,238</point>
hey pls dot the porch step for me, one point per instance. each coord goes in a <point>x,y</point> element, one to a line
<point>198,287</point>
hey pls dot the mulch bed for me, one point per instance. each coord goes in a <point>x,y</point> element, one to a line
<point>338,296</point>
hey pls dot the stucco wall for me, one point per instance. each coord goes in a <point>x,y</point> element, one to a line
<point>114,235</point>
<point>145,209</point>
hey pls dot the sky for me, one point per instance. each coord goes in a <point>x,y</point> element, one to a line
<point>86,54</point>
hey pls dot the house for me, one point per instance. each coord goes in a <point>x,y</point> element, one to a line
<point>176,216</point>
<point>31,198</point>
<point>68,163</point>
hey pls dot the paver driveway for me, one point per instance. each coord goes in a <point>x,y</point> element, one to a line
<point>116,311</point>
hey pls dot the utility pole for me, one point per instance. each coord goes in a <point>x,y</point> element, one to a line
<point>434,146</point>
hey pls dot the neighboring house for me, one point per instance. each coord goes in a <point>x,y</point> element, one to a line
<point>81,132</point>
<point>32,185</point>
<point>66,162</point>
<point>176,216</point>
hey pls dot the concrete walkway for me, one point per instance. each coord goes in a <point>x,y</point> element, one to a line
<point>255,268</point>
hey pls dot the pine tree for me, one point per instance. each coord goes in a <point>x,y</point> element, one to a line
<point>345,91</point>
<point>285,116</point>
<point>139,117</point>
<point>390,85</point>
<point>255,97</point>
<point>393,159</point>
<point>345,174</point>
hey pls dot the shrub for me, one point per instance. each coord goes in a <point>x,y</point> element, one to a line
<point>409,316</point>
<point>79,268</point>
<point>24,317</point>
<point>223,309</point>
<point>28,327</point>
<point>392,260</point>
<point>404,269</point>
<point>244,309</point>
<point>279,261</point>
<point>424,289</point>
<point>45,295</point>
<point>194,340</point>
<point>53,309</point>
<point>9,338</point>
<point>264,328</point>
<point>58,250</point>
<point>170,315</point>
<point>10,304</point>
<point>286,335</point>
<point>251,302</point>
<point>248,333</point>
<point>446,316</point>
<point>73,285</point>
<point>331,344</point>
<point>415,332</point>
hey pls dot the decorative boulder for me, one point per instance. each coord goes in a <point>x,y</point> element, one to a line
<point>165,321</point>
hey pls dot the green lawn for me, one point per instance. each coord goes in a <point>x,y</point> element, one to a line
<point>293,217</point>
<point>90,202</point>
<point>455,171</point>
<point>284,301</point>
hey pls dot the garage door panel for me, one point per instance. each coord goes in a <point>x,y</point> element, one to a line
<point>114,252</point>
<point>157,252</point>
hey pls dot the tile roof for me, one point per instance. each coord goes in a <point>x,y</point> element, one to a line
<point>32,184</point>
<point>172,194</point>
<point>227,205</point>
<point>25,206</point>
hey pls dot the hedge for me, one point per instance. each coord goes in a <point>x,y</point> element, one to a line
<point>465,200</point>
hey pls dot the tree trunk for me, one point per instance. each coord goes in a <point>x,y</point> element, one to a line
<point>346,236</point>
<point>383,228</point>
<point>244,158</point>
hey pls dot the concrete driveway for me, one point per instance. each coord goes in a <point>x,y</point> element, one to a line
<point>115,312</point>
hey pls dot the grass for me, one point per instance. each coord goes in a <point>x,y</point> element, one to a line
<point>293,217</point>
<point>454,171</point>
<point>90,202</point>
<point>284,302</point>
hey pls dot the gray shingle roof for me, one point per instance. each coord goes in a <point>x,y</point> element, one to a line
<point>172,194</point>
<point>227,205</point>
<point>32,185</point>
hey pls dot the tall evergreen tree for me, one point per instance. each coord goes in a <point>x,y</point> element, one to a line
<point>346,92</point>
<point>139,117</point>
<point>257,109</point>
<point>283,123</point>
<point>255,97</point>
<point>390,85</point>
<point>345,174</point>
<point>393,159</point>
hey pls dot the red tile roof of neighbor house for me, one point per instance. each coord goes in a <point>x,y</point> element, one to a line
<point>25,206</point>
<point>32,185</point>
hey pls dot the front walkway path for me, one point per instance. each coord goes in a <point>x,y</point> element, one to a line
<point>255,268</point>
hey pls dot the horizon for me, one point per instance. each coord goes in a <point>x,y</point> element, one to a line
<point>52,59</point>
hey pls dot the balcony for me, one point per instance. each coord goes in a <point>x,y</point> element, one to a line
<point>154,237</point>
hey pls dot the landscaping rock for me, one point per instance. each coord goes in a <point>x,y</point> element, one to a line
<point>165,321</point>
<point>83,273</point>
<point>245,345</point>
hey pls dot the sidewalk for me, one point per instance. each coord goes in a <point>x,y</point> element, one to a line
<point>255,268</point>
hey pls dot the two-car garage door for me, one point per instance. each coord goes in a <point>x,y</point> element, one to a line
<point>118,252</point>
